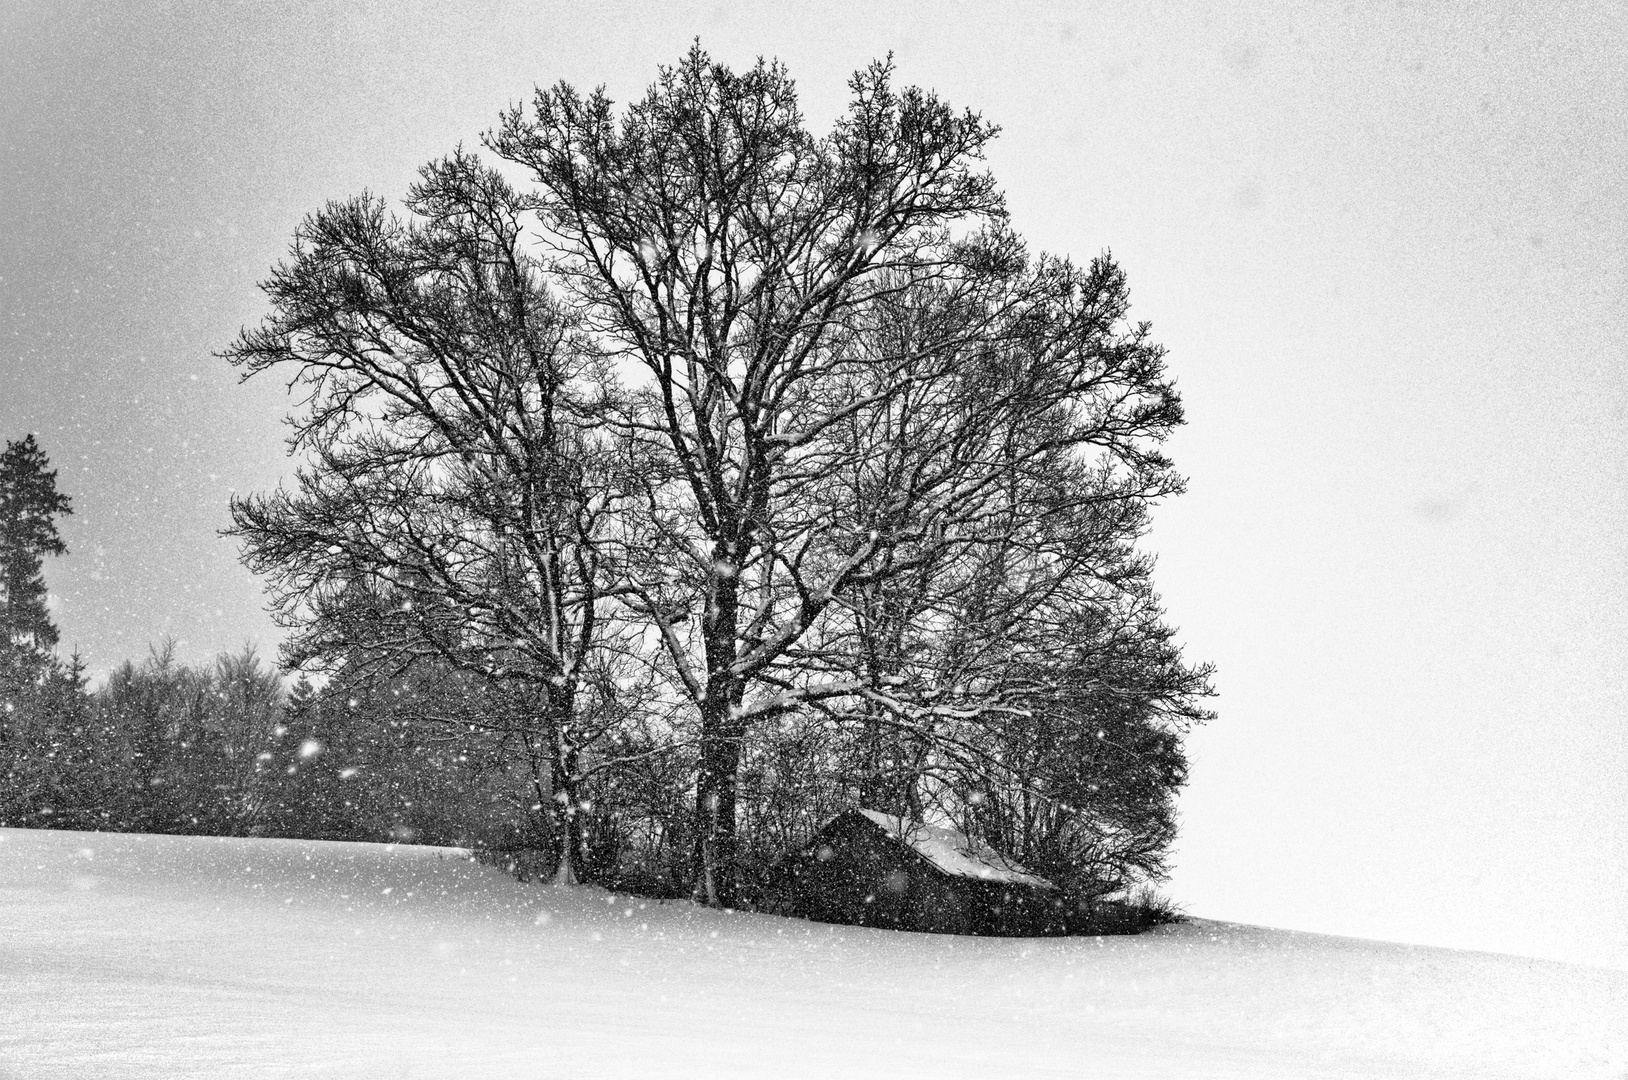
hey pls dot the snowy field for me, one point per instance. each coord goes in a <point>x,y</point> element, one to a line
<point>142,956</point>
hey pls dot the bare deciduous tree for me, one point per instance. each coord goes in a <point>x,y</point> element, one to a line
<point>827,337</point>
<point>458,484</point>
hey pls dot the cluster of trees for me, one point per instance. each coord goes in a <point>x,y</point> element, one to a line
<point>746,473</point>
<point>666,487</point>
<point>37,692</point>
<point>223,748</point>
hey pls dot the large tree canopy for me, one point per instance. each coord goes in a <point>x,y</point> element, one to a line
<point>852,373</point>
<point>458,484</point>
<point>760,428</point>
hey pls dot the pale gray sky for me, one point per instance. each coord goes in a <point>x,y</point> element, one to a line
<point>1386,245</point>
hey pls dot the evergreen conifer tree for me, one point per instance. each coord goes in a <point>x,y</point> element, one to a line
<point>29,505</point>
<point>38,695</point>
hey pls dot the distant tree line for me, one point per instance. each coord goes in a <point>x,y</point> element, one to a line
<point>684,479</point>
<point>221,749</point>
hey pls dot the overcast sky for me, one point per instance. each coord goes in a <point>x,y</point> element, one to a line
<point>1386,246</point>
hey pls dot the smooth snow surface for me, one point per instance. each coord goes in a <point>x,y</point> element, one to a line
<point>954,853</point>
<point>143,956</point>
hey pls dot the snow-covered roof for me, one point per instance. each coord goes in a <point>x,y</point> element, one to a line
<point>954,852</point>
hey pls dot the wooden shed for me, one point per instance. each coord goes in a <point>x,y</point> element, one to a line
<point>864,868</point>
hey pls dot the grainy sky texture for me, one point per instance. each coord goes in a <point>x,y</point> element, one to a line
<point>1386,245</point>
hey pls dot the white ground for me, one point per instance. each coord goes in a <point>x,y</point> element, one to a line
<point>141,956</point>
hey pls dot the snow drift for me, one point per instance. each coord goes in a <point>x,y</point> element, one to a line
<point>127,956</point>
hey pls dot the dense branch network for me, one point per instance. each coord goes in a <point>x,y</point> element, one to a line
<point>774,434</point>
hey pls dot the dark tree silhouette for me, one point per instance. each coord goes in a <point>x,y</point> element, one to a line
<point>29,507</point>
<point>773,467</point>
<point>454,503</point>
<point>829,336</point>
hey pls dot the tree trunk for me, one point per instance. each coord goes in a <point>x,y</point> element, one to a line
<point>717,876</point>
<point>874,785</point>
<point>716,873</point>
<point>566,792</point>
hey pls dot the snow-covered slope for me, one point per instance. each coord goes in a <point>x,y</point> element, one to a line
<point>141,956</point>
